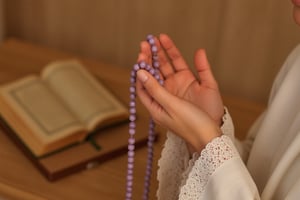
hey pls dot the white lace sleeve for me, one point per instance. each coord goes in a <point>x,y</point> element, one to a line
<point>173,161</point>
<point>227,127</point>
<point>214,155</point>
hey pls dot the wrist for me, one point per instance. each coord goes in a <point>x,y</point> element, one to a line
<point>200,143</point>
<point>219,119</point>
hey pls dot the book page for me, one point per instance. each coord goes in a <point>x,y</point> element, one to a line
<point>40,109</point>
<point>84,95</point>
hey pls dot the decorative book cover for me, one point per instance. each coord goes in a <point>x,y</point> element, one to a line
<point>100,146</point>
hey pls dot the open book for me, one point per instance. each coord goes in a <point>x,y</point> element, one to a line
<point>58,108</point>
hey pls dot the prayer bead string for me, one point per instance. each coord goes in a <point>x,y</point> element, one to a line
<point>154,71</point>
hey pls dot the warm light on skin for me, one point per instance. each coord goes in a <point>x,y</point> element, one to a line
<point>296,11</point>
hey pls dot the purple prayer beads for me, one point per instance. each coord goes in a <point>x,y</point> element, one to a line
<point>153,70</point>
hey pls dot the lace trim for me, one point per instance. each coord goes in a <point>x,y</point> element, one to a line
<point>189,168</point>
<point>227,127</point>
<point>175,164</point>
<point>173,161</point>
<point>214,155</point>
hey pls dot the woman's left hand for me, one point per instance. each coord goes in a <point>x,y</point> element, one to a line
<point>176,114</point>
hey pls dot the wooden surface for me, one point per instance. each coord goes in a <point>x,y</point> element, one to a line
<point>20,180</point>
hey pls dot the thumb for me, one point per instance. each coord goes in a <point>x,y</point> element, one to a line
<point>153,90</point>
<point>203,68</point>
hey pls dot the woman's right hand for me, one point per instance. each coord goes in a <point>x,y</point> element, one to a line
<point>180,116</point>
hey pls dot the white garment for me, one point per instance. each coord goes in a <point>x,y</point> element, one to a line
<point>271,153</point>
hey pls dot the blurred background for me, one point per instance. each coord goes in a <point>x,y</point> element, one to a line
<point>247,41</point>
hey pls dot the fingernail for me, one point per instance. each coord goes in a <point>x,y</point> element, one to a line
<point>142,76</point>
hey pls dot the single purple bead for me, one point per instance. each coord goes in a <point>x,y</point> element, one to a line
<point>148,172</point>
<point>130,160</point>
<point>130,147</point>
<point>132,104</point>
<point>143,65</point>
<point>148,67</point>
<point>131,140</point>
<point>132,89</point>
<point>151,138</point>
<point>149,168</point>
<point>150,151</point>
<point>132,80</point>
<point>154,49</point>
<point>151,41</point>
<point>130,166</point>
<point>150,143</point>
<point>132,110</point>
<point>129,177</point>
<point>136,67</point>
<point>130,153</point>
<point>130,183</point>
<point>130,171</point>
<point>156,64</point>
<point>152,72</point>
<point>133,73</point>
<point>131,131</point>
<point>150,36</point>
<point>127,197</point>
<point>132,118</point>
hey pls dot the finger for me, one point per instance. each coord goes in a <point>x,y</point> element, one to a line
<point>145,52</point>
<point>141,57</point>
<point>203,69</point>
<point>173,53</point>
<point>145,98</point>
<point>166,69</point>
<point>157,111</point>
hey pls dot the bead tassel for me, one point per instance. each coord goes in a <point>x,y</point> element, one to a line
<point>153,70</point>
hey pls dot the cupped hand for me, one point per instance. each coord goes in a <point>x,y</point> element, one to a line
<point>181,82</point>
<point>185,119</point>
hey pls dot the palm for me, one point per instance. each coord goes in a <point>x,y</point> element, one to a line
<point>181,82</point>
<point>184,84</point>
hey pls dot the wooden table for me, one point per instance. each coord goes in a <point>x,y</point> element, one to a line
<point>18,177</point>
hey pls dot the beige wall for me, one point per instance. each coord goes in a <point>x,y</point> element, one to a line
<point>247,40</point>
